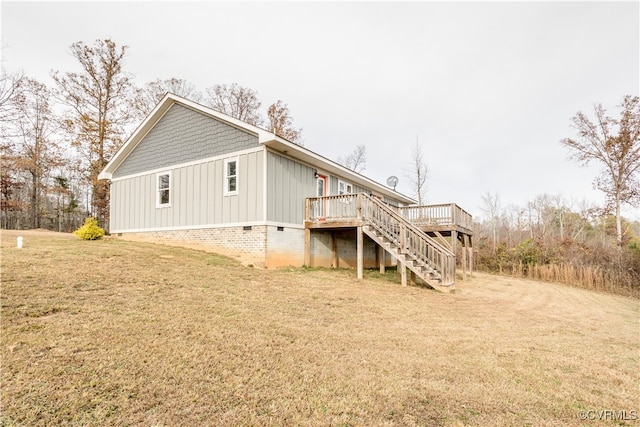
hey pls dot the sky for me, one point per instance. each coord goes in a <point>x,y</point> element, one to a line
<point>488,89</point>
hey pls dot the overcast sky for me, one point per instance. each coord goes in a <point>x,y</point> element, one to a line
<point>488,89</point>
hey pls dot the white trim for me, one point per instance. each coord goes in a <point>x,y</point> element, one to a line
<point>225,177</point>
<point>160,205</point>
<point>259,132</point>
<point>284,224</point>
<point>265,187</point>
<point>327,183</point>
<point>207,226</point>
<point>191,163</point>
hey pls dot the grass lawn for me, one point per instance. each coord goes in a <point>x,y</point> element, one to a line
<point>118,333</point>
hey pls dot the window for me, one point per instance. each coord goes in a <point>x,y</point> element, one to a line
<point>230,176</point>
<point>163,194</point>
<point>344,188</point>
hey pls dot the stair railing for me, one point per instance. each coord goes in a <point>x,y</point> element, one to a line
<point>407,237</point>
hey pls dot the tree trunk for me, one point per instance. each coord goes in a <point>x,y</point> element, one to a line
<point>34,201</point>
<point>618,222</point>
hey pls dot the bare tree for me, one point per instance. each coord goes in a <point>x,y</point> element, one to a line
<point>36,150</point>
<point>281,123</point>
<point>235,101</point>
<point>356,161</point>
<point>10,186</point>
<point>418,173</point>
<point>492,210</point>
<point>9,84</point>
<point>617,150</point>
<point>100,111</point>
<point>148,96</point>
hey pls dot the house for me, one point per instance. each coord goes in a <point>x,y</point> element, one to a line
<point>192,176</point>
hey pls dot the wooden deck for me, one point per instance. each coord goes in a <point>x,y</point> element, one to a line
<point>445,217</point>
<point>398,228</point>
<point>342,211</point>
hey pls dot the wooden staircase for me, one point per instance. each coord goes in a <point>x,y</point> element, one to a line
<point>427,258</point>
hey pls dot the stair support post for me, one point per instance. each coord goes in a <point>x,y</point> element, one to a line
<point>464,256</point>
<point>360,252</point>
<point>307,247</point>
<point>470,253</point>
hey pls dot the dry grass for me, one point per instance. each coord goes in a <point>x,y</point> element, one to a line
<point>120,333</point>
<point>587,277</point>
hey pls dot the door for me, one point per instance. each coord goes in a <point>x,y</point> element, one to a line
<point>321,191</point>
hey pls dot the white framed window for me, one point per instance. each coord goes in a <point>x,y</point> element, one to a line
<point>344,188</point>
<point>163,189</point>
<point>230,176</point>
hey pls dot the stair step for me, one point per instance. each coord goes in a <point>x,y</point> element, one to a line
<point>424,269</point>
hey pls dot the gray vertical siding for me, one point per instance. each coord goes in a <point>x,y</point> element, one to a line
<point>184,135</point>
<point>197,196</point>
<point>289,183</point>
<point>391,201</point>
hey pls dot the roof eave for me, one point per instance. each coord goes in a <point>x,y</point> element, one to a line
<point>156,114</point>
<point>137,135</point>
<point>265,138</point>
<point>297,151</point>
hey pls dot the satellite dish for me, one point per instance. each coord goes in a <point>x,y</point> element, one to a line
<point>392,181</point>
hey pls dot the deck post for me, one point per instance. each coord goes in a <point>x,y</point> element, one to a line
<point>307,247</point>
<point>454,237</point>
<point>334,251</point>
<point>403,273</point>
<point>360,253</point>
<point>464,256</point>
<point>470,249</point>
<point>454,214</point>
<point>307,209</point>
<point>381,252</point>
<point>454,243</point>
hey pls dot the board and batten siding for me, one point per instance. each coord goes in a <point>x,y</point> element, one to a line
<point>183,135</point>
<point>197,196</point>
<point>289,183</point>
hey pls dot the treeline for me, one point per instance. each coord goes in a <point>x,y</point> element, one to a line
<point>54,141</point>
<point>553,239</point>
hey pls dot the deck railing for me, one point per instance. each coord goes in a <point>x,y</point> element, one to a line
<point>332,208</point>
<point>449,215</point>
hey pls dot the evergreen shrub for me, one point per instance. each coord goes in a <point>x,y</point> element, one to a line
<point>90,230</point>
